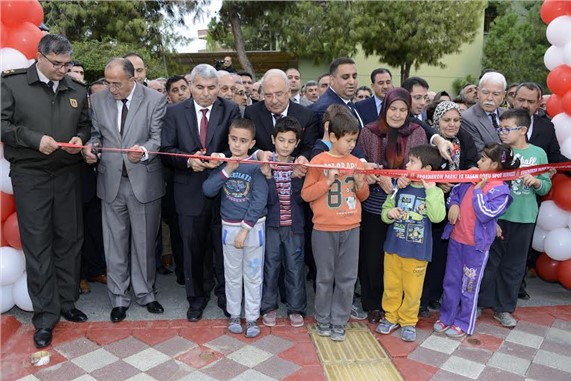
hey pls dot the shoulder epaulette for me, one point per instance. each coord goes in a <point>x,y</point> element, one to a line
<point>7,73</point>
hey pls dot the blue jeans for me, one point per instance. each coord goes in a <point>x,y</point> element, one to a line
<point>284,247</point>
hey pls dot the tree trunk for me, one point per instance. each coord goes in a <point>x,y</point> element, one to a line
<point>240,47</point>
<point>405,71</point>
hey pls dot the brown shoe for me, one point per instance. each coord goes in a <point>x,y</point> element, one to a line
<point>374,316</point>
<point>84,286</point>
<point>99,279</point>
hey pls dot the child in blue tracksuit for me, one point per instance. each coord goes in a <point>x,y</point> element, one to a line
<point>243,210</point>
<point>473,214</point>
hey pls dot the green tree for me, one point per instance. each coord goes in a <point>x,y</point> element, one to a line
<point>516,44</point>
<point>408,34</point>
<point>101,29</point>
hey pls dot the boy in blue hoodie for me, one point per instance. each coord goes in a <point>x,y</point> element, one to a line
<point>243,210</point>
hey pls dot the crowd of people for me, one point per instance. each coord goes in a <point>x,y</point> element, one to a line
<point>186,151</point>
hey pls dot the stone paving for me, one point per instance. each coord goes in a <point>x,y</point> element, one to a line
<point>539,348</point>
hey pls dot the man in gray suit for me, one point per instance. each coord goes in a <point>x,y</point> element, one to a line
<point>128,115</point>
<point>481,120</point>
<point>294,80</point>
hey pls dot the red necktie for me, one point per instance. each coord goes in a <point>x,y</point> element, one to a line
<point>203,127</point>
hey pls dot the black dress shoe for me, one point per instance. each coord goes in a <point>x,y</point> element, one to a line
<point>74,315</point>
<point>118,314</point>
<point>164,271</point>
<point>374,316</point>
<point>42,337</point>
<point>155,307</point>
<point>180,280</point>
<point>523,295</point>
<point>194,315</point>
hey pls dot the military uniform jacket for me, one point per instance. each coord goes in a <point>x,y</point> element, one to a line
<point>30,110</point>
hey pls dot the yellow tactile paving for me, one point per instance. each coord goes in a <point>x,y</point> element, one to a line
<point>359,357</point>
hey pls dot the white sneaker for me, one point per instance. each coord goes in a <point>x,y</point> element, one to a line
<point>269,319</point>
<point>506,319</point>
<point>296,320</point>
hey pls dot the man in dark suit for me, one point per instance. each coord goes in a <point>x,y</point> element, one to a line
<point>541,132</point>
<point>381,83</point>
<point>198,125</point>
<point>277,104</point>
<point>482,120</point>
<point>128,115</point>
<point>342,88</point>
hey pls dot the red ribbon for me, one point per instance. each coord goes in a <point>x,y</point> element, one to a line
<point>432,176</point>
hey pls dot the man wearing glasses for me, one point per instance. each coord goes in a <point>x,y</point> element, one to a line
<point>41,106</point>
<point>481,121</point>
<point>128,115</point>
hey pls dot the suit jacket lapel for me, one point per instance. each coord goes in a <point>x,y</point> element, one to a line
<point>134,106</point>
<point>486,122</point>
<point>214,120</point>
<point>113,115</point>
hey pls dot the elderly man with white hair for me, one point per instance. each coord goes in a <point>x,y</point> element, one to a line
<point>481,120</point>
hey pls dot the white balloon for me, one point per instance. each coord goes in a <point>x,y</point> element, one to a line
<point>558,31</point>
<point>565,54</point>
<point>5,181</point>
<point>562,123</point>
<point>20,294</point>
<point>566,147</point>
<point>12,59</point>
<point>6,298</point>
<point>569,221</point>
<point>553,57</point>
<point>558,244</point>
<point>551,217</point>
<point>12,265</point>
<point>538,239</point>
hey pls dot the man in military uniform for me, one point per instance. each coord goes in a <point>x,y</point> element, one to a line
<point>42,107</point>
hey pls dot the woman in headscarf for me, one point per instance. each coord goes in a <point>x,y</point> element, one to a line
<point>446,121</point>
<point>385,143</point>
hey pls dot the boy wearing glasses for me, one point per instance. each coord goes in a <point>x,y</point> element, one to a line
<point>508,254</point>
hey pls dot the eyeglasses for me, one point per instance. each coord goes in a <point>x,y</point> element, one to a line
<point>278,95</point>
<point>114,85</point>
<point>58,65</point>
<point>420,97</point>
<point>507,130</point>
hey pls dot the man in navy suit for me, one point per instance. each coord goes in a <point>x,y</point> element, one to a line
<point>381,83</point>
<point>342,88</point>
<point>198,125</point>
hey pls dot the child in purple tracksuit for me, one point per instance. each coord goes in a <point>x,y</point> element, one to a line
<point>472,216</point>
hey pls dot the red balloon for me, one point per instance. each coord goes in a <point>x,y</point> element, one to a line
<point>35,13</point>
<point>5,32</point>
<point>547,268</point>
<point>3,241</point>
<point>562,193</point>
<point>551,9</point>
<point>556,179</point>
<point>11,232</point>
<point>554,105</point>
<point>7,205</point>
<point>15,12</point>
<point>564,273</point>
<point>559,80</point>
<point>566,102</point>
<point>25,38</point>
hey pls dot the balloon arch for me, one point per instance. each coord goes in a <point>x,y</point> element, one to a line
<point>18,47</point>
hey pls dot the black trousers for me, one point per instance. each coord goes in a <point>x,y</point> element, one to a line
<point>201,237</point>
<point>371,260</point>
<point>506,267</point>
<point>49,214</point>
<point>432,289</point>
<point>92,252</point>
<point>170,217</point>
